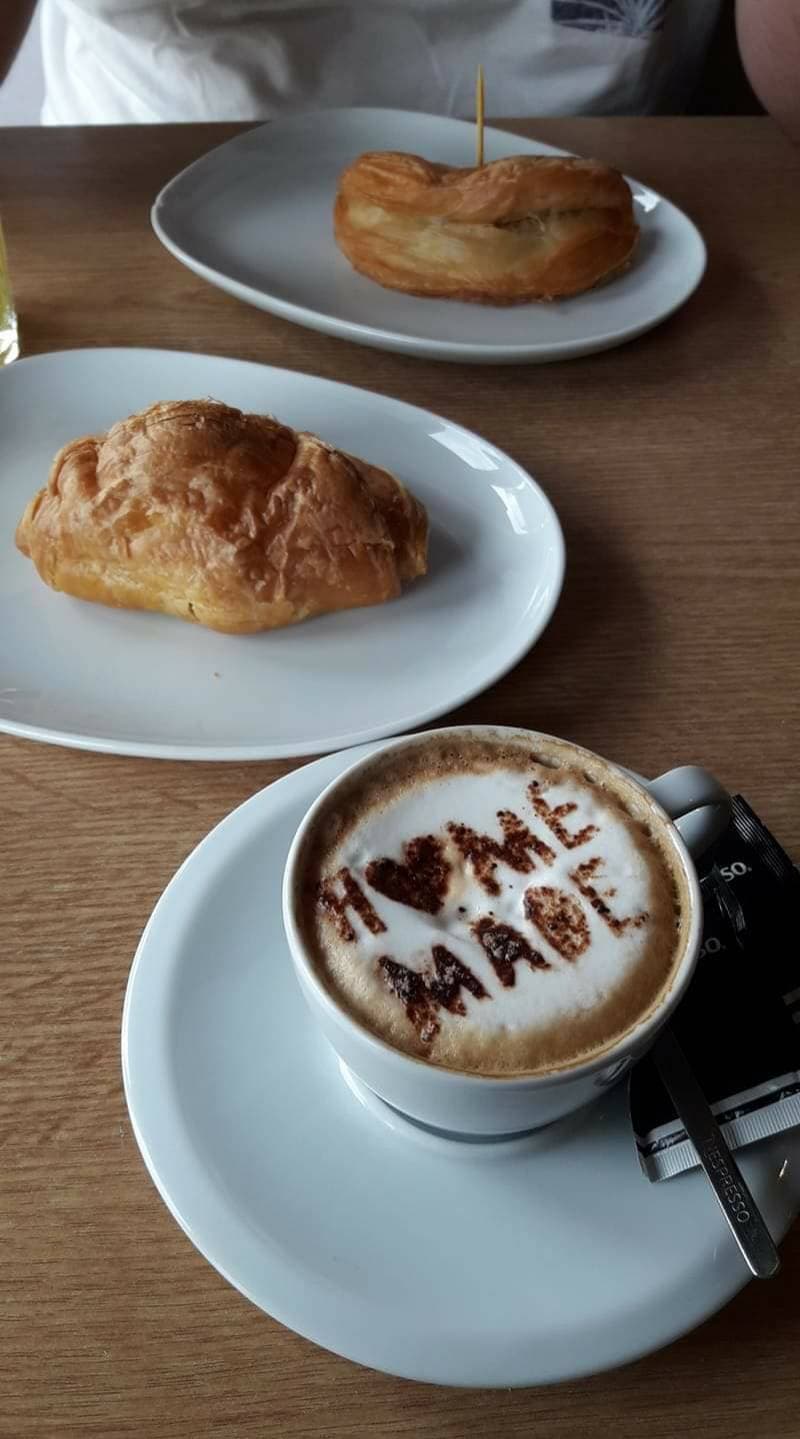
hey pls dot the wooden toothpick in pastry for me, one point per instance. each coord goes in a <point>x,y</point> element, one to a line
<point>479,117</point>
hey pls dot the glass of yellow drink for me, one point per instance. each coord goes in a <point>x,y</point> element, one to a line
<point>9,338</point>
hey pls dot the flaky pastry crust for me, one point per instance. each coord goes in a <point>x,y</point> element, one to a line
<point>527,227</point>
<point>226,519</point>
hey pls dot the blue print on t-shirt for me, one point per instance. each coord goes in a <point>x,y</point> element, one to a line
<point>618,17</point>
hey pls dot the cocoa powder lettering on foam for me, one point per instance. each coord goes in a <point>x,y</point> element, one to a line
<point>483,852</point>
<point>424,993</point>
<point>581,877</point>
<point>559,917</point>
<point>420,881</point>
<point>553,816</point>
<point>505,947</point>
<point>353,898</point>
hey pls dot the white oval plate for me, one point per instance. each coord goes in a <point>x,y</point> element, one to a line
<point>254,218</point>
<point>128,682</point>
<point>511,1263</point>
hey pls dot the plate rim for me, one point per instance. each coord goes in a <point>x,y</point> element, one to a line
<point>249,753</point>
<point>376,336</point>
<point>737,1278</point>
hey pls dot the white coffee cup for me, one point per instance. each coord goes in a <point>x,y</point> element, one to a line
<point>687,806</point>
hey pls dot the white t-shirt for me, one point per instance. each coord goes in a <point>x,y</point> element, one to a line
<point>110,61</point>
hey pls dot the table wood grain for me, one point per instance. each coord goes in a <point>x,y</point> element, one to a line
<point>673,462</point>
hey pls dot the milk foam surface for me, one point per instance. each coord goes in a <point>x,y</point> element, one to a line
<point>608,953</point>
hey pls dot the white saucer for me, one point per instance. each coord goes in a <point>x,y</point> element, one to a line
<point>508,1263</point>
<point>254,218</point>
<point>133,683</point>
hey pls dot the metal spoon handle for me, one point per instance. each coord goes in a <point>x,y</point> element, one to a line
<point>721,1170</point>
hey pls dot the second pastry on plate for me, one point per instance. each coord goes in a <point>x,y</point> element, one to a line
<point>255,217</point>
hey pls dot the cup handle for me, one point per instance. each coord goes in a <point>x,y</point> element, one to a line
<point>696,802</point>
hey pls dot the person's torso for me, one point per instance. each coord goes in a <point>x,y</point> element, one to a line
<point>112,61</point>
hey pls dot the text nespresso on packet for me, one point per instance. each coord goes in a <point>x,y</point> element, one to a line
<point>739,1024</point>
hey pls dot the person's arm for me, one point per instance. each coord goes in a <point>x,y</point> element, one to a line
<point>15,17</point>
<point>769,43</point>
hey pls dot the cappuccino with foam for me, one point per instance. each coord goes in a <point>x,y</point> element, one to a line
<point>491,907</point>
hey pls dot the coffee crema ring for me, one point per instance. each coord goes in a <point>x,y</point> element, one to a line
<point>491,911</point>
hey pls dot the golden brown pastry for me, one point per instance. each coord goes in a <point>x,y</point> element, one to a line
<point>528,227</point>
<point>230,520</point>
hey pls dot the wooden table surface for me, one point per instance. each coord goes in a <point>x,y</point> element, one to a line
<point>673,462</point>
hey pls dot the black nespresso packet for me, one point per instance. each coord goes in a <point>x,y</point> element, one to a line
<point>739,1024</point>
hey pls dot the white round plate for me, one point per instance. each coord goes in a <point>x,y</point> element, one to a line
<point>135,683</point>
<point>255,217</point>
<point>510,1263</point>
